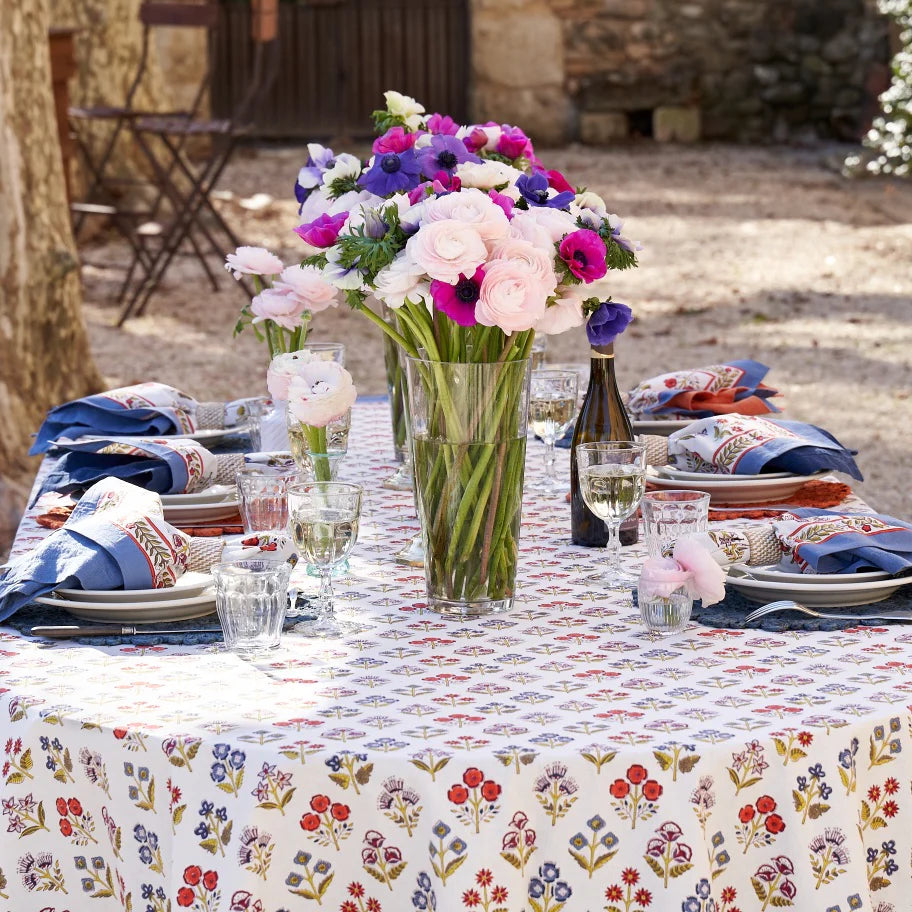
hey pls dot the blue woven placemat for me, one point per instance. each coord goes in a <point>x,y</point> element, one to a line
<point>49,616</point>
<point>730,613</point>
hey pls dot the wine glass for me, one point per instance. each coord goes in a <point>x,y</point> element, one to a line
<point>612,478</point>
<point>324,518</point>
<point>552,408</point>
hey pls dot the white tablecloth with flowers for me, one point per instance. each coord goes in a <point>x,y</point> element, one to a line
<point>555,757</point>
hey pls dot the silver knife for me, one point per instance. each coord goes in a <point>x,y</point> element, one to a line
<point>77,630</point>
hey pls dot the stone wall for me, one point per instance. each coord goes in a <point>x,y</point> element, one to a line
<point>745,70</point>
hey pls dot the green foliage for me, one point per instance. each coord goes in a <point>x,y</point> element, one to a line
<point>370,254</point>
<point>890,136</point>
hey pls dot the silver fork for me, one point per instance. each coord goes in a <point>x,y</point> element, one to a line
<point>787,605</point>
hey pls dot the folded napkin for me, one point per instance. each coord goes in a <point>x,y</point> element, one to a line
<point>173,466</point>
<point>117,538</point>
<point>744,445</point>
<point>704,391</point>
<point>818,541</point>
<point>143,408</point>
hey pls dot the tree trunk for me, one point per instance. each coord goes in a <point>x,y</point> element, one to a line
<point>44,351</point>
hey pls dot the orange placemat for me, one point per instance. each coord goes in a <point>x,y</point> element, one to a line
<point>823,494</point>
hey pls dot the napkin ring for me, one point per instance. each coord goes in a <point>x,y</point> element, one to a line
<point>227,465</point>
<point>204,553</point>
<point>210,416</point>
<point>764,546</point>
<point>656,449</point>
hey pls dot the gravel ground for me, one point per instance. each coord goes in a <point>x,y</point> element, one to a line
<point>749,253</point>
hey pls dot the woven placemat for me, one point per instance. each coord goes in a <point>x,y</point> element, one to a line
<point>49,616</point>
<point>730,613</point>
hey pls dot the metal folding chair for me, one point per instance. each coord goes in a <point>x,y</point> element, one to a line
<point>105,191</point>
<point>188,187</point>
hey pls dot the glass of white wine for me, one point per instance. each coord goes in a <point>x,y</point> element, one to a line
<point>324,518</point>
<point>612,476</point>
<point>552,408</point>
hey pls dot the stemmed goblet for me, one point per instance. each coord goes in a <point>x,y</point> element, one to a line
<point>324,518</point>
<point>612,477</point>
<point>552,408</point>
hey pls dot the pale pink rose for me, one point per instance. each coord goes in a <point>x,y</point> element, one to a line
<point>306,283</point>
<point>564,313</point>
<point>321,391</point>
<point>447,249</point>
<point>400,280</point>
<point>510,297</point>
<point>277,305</point>
<point>661,576</point>
<point>539,263</point>
<point>472,207</point>
<point>708,579</point>
<point>282,369</point>
<point>253,261</point>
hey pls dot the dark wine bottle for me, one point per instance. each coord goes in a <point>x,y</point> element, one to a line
<point>602,417</point>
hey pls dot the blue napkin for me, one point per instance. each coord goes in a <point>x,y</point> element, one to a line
<point>143,408</point>
<point>827,541</point>
<point>121,545</point>
<point>163,466</point>
<point>698,393</point>
<point>749,445</point>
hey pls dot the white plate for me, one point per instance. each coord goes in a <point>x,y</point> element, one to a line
<point>816,594</point>
<point>189,585</point>
<point>673,472</point>
<point>211,435</point>
<point>772,573</point>
<point>661,427</point>
<point>201,513</point>
<point>214,494</point>
<point>141,612</point>
<point>733,489</point>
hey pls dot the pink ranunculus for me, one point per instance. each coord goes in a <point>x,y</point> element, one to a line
<point>565,313</point>
<point>504,201</point>
<point>321,391</point>
<point>538,263</point>
<point>442,124</point>
<point>458,301</point>
<point>513,143</point>
<point>323,230</point>
<point>473,207</point>
<point>584,253</point>
<point>282,369</point>
<point>394,140</point>
<point>447,249</point>
<point>708,583</point>
<point>510,298</point>
<point>253,261</point>
<point>277,305</point>
<point>557,181</point>
<point>307,285</point>
<point>660,577</point>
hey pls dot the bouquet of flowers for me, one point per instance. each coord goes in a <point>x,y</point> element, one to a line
<point>319,394</point>
<point>475,246</point>
<point>287,297</point>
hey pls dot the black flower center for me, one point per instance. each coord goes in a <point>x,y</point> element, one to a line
<point>541,196</point>
<point>467,291</point>
<point>580,257</point>
<point>390,163</point>
<point>447,159</point>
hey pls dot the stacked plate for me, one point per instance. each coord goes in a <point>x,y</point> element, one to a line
<point>772,487</point>
<point>217,502</point>
<point>191,596</point>
<point>660,427</point>
<point>816,590</point>
<point>209,437</point>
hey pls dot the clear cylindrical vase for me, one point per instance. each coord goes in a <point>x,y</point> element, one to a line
<point>468,429</point>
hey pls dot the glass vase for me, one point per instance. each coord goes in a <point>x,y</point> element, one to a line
<point>395,385</point>
<point>318,451</point>
<point>468,427</point>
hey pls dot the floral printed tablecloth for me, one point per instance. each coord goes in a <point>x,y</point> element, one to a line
<point>553,758</point>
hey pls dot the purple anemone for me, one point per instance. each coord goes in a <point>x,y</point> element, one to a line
<point>534,190</point>
<point>443,154</point>
<point>392,172</point>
